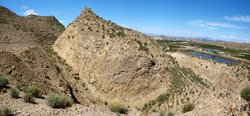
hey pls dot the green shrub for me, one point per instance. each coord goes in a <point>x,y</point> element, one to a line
<point>6,111</point>
<point>57,101</point>
<point>4,90</point>
<point>28,98</point>
<point>14,93</point>
<point>170,114</point>
<point>68,102</point>
<point>187,108</point>
<point>77,78</point>
<point>163,97</point>
<point>35,91</point>
<point>117,107</point>
<point>245,94</point>
<point>24,88</point>
<point>161,113</point>
<point>105,103</point>
<point>18,86</point>
<point>3,81</point>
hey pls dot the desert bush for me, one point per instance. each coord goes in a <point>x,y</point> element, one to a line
<point>187,108</point>
<point>163,97</point>
<point>24,88</point>
<point>28,98</point>
<point>117,107</point>
<point>6,111</point>
<point>3,81</point>
<point>4,90</point>
<point>245,94</point>
<point>57,101</point>
<point>77,78</point>
<point>68,102</point>
<point>105,103</point>
<point>14,93</point>
<point>18,86</point>
<point>35,91</point>
<point>161,113</point>
<point>170,114</point>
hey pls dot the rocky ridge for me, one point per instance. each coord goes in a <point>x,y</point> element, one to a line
<point>113,62</point>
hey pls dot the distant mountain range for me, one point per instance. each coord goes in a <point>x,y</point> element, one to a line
<point>193,38</point>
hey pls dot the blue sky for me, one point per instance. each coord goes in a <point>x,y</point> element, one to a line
<point>227,20</point>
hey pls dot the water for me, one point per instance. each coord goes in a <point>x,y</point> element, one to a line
<point>216,51</point>
<point>214,57</point>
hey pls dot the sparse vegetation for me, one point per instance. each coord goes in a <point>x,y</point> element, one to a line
<point>142,47</point>
<point>77,78</point>
<point>187,108</point>
<point>24,88</point>
<point>170,114</point>
<point>14,93</point>
<point>89,28</point>
<point>6,111</point>
<point>105,103</point>
<point>245,94</point>
<point>121,34</point>
<point>4,90</point>
<point>57,101</point>
<point>3,81</point>
<point>28,98</point>
<point>34,91</point>
<point>76,90</point>
<point>161,113</point>
<point>117,107</point>
<point>163,97</point>
<point>18,86</point>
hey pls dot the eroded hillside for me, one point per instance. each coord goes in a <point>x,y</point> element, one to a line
<point>25,52</point>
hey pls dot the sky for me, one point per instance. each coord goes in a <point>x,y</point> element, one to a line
<point>227,20</point>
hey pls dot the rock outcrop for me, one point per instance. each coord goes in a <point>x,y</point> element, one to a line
<point>113,62</point>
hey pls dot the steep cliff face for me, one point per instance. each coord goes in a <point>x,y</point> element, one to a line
<point>113,62</point>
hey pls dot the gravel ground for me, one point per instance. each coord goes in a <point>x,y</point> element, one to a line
<point>20,108</point>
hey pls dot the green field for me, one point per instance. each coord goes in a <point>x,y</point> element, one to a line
<point>244,57</point>
<point>169,41</point>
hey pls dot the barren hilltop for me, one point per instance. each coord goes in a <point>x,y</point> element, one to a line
<point>96,67</point>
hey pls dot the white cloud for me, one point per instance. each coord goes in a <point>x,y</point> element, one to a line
<point>24,7</point>
<point>230,37</point>
<point>212,26</point>
<point>28,12</point>
<point>235,39</point>
<point>225,25</point>
<point>126,26</point>
<point>238,18</point>
<point>61,21</point>
<point>202,23</point>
